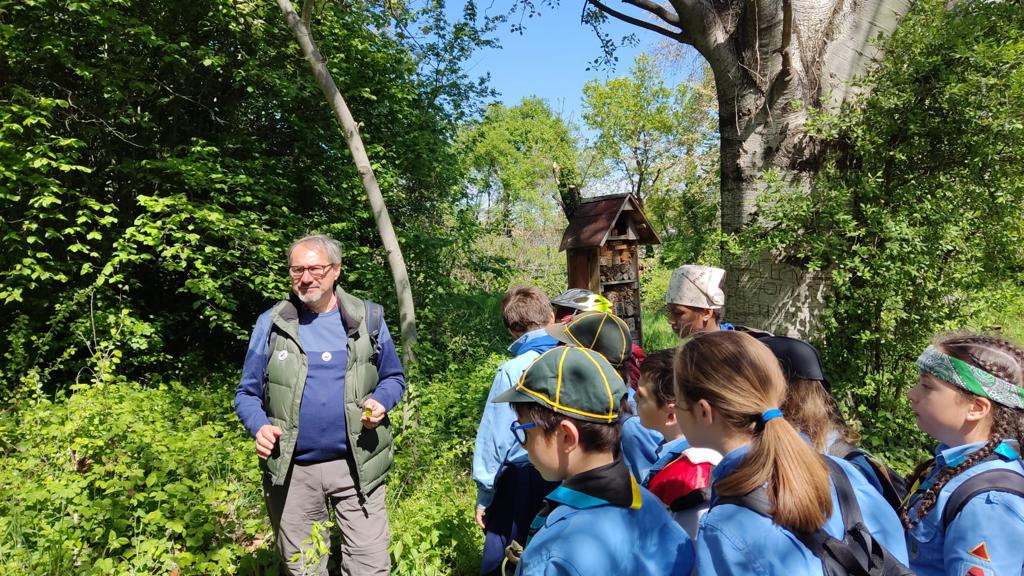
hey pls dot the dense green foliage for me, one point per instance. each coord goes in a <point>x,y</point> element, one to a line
<point>919,216</point>
<point>157,158</point>
<point>512,153</point>
<point>120,478</point>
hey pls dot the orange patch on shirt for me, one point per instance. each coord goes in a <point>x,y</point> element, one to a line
<point>981,552</point>
<point>975,571</point>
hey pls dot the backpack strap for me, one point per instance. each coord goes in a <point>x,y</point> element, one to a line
<point>351,323</point>
<point>1000,480</point>
<point>894,486</point>
<point>829,549</point>
<point>756,500</point>
<point>374,321</point>
<point>289,312</point>
<point>847,499</point>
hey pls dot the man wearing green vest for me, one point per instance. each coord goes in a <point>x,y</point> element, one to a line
<point>319,378</point>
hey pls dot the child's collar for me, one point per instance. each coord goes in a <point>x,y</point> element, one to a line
<point>611,484</point>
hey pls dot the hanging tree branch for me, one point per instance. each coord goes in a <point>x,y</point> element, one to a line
<point>300,29</point>
<point>677,36</point>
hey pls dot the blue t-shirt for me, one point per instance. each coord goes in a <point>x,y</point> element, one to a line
<point>322,436</point>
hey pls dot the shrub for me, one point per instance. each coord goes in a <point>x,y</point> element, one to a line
<point>118,478</point>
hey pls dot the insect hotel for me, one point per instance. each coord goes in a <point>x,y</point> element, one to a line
<point>601,245</point>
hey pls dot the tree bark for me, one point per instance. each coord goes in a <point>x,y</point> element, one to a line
<point>774,61</point>
<point>300,29</point>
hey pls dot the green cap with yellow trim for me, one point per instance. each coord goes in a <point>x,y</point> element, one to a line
<point>601,331</point>
<point>572,381</point>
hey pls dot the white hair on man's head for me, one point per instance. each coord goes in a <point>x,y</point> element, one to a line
<point>329,246</point>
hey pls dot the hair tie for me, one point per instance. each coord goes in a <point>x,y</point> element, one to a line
<point>770,415</point>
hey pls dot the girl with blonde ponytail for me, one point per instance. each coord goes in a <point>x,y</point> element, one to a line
<point>729,388</point>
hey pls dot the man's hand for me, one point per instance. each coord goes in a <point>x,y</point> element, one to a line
<point>373,413</point>
<point>513,552</point>
<point>266,437</point>
<point>480,517</point>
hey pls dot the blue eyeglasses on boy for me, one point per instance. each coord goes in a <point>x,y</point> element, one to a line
<point>519,431</point>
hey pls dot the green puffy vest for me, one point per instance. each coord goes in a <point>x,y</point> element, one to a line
<point>371,449</point>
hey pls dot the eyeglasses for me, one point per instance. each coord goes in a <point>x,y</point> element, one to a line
<point>519,431</point>
<point>317,272</point>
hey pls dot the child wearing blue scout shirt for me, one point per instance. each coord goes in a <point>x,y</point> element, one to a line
<point>509,490</point>
<point>681,474</point>
<point>810,407</point>
<point>599,520</point>
<point>728,390</point>
<point>969,398</point>
<point>607,334</point>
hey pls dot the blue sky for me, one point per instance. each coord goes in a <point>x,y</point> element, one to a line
<point>550,58</point>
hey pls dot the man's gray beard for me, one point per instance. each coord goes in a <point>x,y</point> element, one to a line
<point>309,298</point>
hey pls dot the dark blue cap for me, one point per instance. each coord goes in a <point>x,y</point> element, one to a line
<point>799,359</point>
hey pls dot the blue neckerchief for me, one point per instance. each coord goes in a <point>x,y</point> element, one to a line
<point>575,498</point>
<point>952,457</point>
<point>727,466</point>
<point>535,340</point>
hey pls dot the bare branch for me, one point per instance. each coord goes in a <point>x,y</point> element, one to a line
<point>213,113</point>
<point>658,10</point>
<point>677,36</point>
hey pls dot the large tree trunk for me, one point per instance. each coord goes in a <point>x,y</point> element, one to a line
<point>774,61</point>
<point>300,28</point>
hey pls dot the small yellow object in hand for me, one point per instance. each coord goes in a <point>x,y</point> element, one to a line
<point>367,412</point>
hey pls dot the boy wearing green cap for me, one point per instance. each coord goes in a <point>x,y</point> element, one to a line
<point>608,334</point>
<point>599,520</point>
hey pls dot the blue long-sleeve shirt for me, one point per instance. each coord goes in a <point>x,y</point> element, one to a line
<point>495,445</point>
<point>322,432</point>
<point>985,537</point>
<point>735,540</point>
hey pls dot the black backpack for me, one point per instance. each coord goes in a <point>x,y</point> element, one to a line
<point>858,553</point>
<point>894,486</point>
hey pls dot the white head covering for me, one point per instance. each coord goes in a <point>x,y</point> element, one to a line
<point>697,286</point>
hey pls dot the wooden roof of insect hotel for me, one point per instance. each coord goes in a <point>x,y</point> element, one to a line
<point>594,222</point>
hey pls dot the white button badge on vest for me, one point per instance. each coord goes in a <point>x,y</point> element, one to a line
<point>326,356</point>
<point>282,354</point>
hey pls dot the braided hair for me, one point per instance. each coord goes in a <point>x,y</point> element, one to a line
<point>995,356</point>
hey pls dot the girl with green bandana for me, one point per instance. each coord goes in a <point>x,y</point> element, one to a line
<point>970,397</point>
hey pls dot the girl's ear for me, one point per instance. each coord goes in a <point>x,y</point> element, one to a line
<point>978,409</point>
<point>670,415</point>
<point>568,436</point>
<point>704,412</point>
